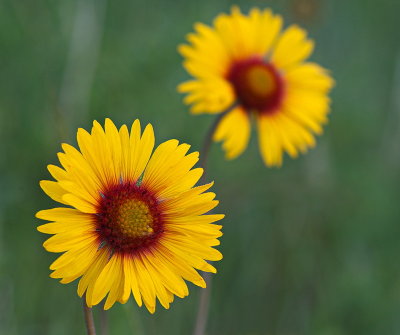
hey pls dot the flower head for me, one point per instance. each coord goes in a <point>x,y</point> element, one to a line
<point>247,66</point>
<point>135,222</point>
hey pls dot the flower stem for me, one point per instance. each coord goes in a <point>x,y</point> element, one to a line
<point>209,137</point>
<point>204,302</point>
<point>87,312</point>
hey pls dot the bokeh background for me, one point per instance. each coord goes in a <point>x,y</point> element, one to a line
<point>311,248</point>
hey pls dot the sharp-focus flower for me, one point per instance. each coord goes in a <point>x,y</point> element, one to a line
<point>247,65</point>
<point>135,222</point>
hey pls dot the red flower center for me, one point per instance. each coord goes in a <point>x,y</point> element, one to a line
<point>128,218</point>
<point>257,84</point>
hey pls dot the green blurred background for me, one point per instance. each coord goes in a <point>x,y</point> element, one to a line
<point>311,248</point>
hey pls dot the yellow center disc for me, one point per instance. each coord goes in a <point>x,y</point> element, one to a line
<point>135,219</point>
<point>260,81</point>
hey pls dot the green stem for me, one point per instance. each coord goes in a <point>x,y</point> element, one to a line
<point>204,302</point>
<point>209,138</point>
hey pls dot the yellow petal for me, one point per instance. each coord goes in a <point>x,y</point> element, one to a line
<point>168,172</point>
<point>68,240</point>
<point>184,199</point>
<point>83,253</point>
<point>208,95</point>
<point>126,289</point>
<point>146,285</point>
<point>104,154</point>
<point>270,147</point>
<point>141,151</point>
<point>79,203</point>
<point>73,263</point>
<point>265,28</point>
<point>78,191</point>
<point>57,173</point>
<point>170,279</point>
<point>309,76</point>
<point>87,282</point>
<point>196,220</point>
<point>160,290</point>
<point>59,227</point>
<point>115,295</point>
<point>93,157</point>
<point>62,214</point>
<point>234,131</point>
<point>204,231</point>
<point>129,266</point>
<point>53,190</point>
<point>157,168</point>
<point>191,247</point>
<point>114,143</point>
<point>79,171</point>
<point>292,48</point>
<point>195,206</point>
<point>191,259</point>
<point>179,265</point>
<point>105,281</point>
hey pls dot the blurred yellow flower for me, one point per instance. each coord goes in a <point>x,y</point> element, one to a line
<point>134,221</point>
<point>247,66</point>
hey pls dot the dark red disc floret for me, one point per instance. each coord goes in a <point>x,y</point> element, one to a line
<point>108,218</point>
<point>255,99</point>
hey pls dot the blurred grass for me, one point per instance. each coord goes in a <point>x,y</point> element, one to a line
<point>311,248</point>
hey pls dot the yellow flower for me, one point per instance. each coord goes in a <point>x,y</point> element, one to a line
<point>247,65</point>
<point>134,221</point>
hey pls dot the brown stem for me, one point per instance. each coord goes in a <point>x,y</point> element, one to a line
<point>87,312</point>
<point>204,302</point>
